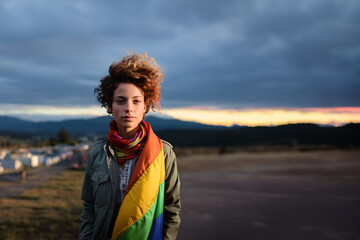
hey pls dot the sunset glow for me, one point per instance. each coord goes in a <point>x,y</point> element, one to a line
<point>207,115</point>
<point>268,116</point>
<point>60,112</point>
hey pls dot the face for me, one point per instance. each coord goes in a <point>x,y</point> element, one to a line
<point>128,108</point>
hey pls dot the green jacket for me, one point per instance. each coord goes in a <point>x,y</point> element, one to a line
<point>101,187</point>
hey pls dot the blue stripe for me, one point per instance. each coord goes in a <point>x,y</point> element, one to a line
<point>156,229</point>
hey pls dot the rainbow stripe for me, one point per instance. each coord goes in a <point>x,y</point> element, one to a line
<point>141,213</point>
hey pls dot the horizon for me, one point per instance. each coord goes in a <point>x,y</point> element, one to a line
<point>321,117</point>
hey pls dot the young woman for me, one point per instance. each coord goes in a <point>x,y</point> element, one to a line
<point>131,187</point>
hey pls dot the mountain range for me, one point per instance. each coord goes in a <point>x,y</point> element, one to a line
<point>97,125</point>
<point>182,133</point>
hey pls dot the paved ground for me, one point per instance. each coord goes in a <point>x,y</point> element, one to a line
<point>300,195</point>
<point>255,196</point>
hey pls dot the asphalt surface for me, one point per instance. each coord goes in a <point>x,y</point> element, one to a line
<point>271,196</point>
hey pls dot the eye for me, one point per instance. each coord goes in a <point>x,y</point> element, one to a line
<point>137,101</point>
<point>120,101</point>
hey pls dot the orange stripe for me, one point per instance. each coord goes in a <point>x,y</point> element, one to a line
<point>151,150</point>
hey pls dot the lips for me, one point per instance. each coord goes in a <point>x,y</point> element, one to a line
<point>128,118</point>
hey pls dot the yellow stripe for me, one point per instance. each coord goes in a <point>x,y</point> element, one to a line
<point>141,196</point>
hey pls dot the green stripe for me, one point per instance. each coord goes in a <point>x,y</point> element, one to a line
<point>160,201</point>
<point>141,229</point>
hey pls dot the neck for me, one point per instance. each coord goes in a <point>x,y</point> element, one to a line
<point>127,133</point>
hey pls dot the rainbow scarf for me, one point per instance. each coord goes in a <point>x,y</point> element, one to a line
<point>126,149</point>
<point>141,213</point>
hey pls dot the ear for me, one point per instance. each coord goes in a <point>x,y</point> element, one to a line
<point>144,109</point>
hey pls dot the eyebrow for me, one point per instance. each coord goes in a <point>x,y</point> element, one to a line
<point>126,97</point>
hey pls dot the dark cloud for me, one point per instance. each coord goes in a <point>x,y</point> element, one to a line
<point>222,53</point>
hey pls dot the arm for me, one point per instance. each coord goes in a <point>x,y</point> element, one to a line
<point>87,216</point>
<point>172,197</point>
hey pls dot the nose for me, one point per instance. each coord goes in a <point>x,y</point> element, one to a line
<point>128,107</point>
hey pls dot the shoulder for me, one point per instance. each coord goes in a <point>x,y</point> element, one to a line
<point>166,146</point>
<point>169,154</point>
<point>97,156</point>
<point>98,147</point>
<point>168,150</point>
<point>170,160</point>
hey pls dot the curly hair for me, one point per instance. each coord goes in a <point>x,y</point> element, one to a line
<point>138,69</point>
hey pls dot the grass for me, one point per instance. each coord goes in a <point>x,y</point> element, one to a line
<point>50,211</point>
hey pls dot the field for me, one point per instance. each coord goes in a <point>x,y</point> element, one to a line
<point>243,195</point>
<point>49,211</point>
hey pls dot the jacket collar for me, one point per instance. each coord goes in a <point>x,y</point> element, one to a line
<point>110,153</point>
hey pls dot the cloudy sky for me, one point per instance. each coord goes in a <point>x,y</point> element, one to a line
<point>233,56</point>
